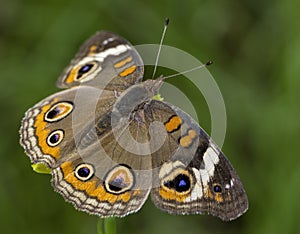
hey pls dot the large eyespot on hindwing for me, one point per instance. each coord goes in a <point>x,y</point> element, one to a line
<point>55,138</point>
<point>180,183</point>
<point>58,111</point>
<point>84,171</point>
<point>176,181</point>
<point>119,180</point>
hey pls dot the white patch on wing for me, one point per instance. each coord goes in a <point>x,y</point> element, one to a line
<point>197,192</point>
<point>105,42</point>
<point>210,158</point>
<point>231,182</point>
<point>112,51</point>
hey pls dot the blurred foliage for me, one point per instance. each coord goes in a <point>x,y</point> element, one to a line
<point>255,46</point>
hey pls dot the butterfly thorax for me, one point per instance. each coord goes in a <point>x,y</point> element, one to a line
<point>135,96</point>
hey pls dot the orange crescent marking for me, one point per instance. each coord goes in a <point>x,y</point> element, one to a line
<point>42,133</point>
<point>128,71</point>
<point>72,75</point>
<point>123,62</point>
<point>172,195</point>
<point>173,124</point>
<point>93,49</point>
<point>219,198</point>
<point>90,187</point>
<point>187,140</point>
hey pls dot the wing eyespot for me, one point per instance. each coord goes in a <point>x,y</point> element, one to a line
<point>119,180</point>
<point>217,188</point>
<point>58,111</point>
<point>84,171</point>
<point>85,70</point>
<point>55,138</point>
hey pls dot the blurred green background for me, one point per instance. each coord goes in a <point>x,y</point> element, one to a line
<point>255,46</point>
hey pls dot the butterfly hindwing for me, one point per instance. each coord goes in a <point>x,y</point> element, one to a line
<point>104,190</point>
<point>105,177</point>
<point>70,132</point>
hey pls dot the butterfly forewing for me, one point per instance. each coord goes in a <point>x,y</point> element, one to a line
<point>105,61</point>
<point>196,178</point>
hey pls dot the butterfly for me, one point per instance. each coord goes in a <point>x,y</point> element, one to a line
<point>109,143</point>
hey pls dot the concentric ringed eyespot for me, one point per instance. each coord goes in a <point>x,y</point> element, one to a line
<point>181,183</point>
<point>176,178</point>
<point>84,171</point>
<point>85,70</point>
<point>119,180</point>
<point>58,111</point>
<point>55,138</point>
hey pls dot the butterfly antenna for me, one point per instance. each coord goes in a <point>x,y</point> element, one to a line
<point>160,45</point>
<point>190,70</point>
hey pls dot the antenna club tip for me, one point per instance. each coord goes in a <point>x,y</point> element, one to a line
<point>167,21</point>
<point>208,63</point>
